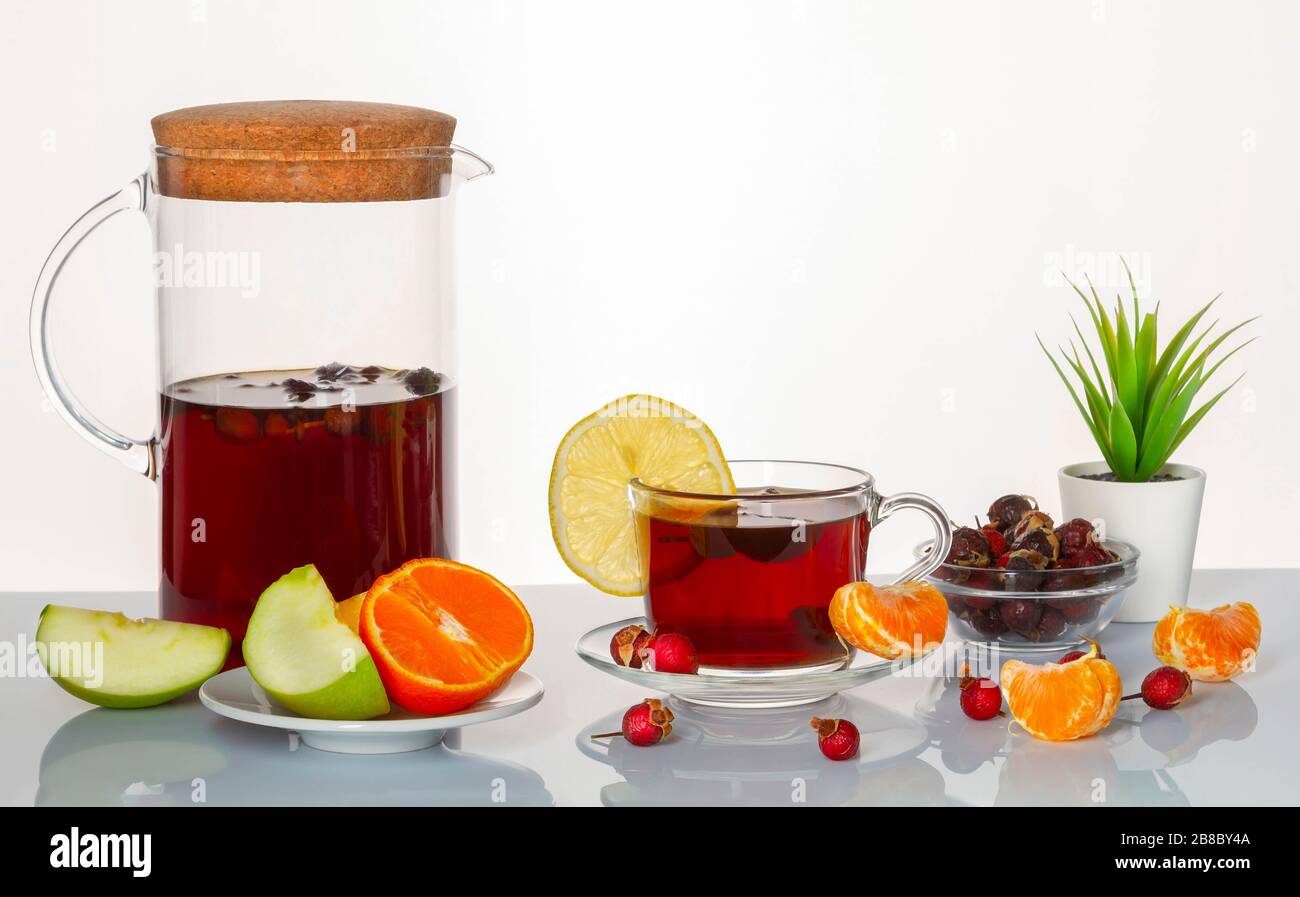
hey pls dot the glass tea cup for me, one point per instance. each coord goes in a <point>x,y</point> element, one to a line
<point>749,577</point>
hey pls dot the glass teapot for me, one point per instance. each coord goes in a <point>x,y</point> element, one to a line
<point>306,323</point>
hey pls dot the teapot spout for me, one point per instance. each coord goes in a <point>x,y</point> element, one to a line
<point>469,165</point>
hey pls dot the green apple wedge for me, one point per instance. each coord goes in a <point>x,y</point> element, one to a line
<point>305,658</point>
<point>113,661</point>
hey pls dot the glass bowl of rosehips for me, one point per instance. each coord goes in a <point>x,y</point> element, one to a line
<point>1024,582</point>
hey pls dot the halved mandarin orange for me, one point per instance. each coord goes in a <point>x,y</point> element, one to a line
<point>904,620</point>
<point>444,635</point>
<point>1208,645</point>
<point>1062,701</point>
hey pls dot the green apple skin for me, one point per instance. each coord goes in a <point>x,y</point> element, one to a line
<point>146,662</point>
<point>296,646</point>
<point>357,695</point>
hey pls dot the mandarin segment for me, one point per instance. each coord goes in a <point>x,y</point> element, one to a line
<point>1209,645</point>
<point>1062,702</point>
<point>904,620</point>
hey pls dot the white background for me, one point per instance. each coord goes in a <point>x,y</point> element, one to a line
<point>830,229</point>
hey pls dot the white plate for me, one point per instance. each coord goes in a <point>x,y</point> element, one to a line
<point>737,688</point>
<point>234,694</point>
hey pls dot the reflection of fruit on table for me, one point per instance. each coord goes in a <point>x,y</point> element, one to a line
<point>1079,773</point>
<point>111,758</point>
<point>182,755</point>
<point>1215,712</point>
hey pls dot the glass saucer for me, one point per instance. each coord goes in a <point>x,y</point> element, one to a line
<point>713,687</point>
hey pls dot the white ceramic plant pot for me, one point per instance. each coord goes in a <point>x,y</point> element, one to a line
<point>1160,518</point>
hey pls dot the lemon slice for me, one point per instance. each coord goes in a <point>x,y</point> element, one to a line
<point>663,444</point>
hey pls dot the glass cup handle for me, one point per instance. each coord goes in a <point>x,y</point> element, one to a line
<point>939,519</point>
<point>137,454</point>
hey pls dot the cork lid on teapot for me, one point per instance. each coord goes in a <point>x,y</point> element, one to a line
<point>303,151</point>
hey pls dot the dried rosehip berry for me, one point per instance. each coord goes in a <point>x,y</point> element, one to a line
<point>988,623</point>
<point>1024,571</point>
<point>1061,579</point>
<point>625,647</point>
<point>670,652</point>
<point>421,382</point>
<point>647,723</point>
<point>276,425</point>
<point>1031,522</point>
<point>1021,614</point>
<point>1092,556</point>
<point>1164,688</point>
<point>1074,535</point>
<point>330,372</point>
<point>838,739</point>
<point>1042,541</point>
<point>342,421</point>
<point>980,698</point>
<point>1006,511</point>
<point>969,548</point>
<point>238,425</point>
<point>1051,625</point>
<point>299,390</point>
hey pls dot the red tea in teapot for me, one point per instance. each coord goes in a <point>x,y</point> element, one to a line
<point>345,467</point>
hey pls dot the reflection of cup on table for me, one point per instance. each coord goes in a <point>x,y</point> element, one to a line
<point>767,757</point>
<point>749,577</point>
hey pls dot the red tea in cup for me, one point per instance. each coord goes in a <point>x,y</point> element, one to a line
<point>749,577</point>
<point>753,592</point>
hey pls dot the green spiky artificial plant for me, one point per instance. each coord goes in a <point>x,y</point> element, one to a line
<point>1138,408</point>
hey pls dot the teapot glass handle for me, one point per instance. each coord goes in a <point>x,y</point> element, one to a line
<point>137,454</point>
